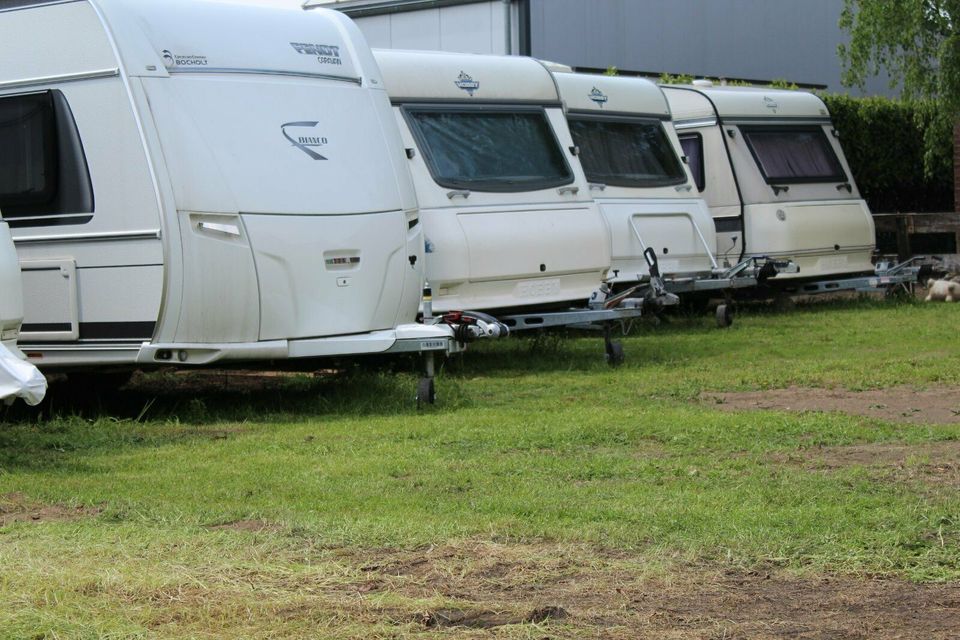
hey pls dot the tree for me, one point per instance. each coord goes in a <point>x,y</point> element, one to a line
<point>917,43</point>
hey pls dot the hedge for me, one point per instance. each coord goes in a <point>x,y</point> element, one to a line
<point>901,155</point>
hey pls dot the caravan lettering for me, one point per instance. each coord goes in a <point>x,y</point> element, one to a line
<point>326,53</point>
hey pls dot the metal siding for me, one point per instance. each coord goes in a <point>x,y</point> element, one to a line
<point>753,39</point>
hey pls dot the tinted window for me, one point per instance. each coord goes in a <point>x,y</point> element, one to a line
<point>28,171</point>
<point>794,154</point>
<point>490,149</point>
<point>693,148</point>
<point>43,173</point>
<point>627,153</point>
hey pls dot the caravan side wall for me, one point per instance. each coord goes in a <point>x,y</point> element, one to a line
<point>92,258</point>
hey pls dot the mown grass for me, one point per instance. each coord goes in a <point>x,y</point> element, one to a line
<point>533,441</point>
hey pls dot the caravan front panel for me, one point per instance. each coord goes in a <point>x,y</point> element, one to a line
<point>507,214</point>
<point>775,177</point>
<point>632,159</point>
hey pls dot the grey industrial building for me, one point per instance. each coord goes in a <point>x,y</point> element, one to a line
<point>752,40</point>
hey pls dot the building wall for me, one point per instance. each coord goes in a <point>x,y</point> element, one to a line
<point>466,28</point>
<point>759,40</point>
<point>746,39</point>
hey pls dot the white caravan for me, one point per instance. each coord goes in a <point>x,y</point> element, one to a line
<point>769,164</point>
<point>18,379</point>
<point>632,157</point>
<point>508,218</point>
<point>199,181</point>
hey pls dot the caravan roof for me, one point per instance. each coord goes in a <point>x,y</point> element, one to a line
<point>607,94</point>
<point>731,103</point>
<point>153,40</point>
<point>431,75</point>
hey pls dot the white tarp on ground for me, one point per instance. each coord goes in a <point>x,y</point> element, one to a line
<point>20,379</point>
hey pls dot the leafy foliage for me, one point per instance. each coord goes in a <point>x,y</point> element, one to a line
<point>900,152</point>
<point>917,43</point>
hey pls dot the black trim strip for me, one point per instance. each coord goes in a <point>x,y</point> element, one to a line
<point>726,225</point>
<point>45,327</point>
<point>117,330</point>
<point>16,223</point>
<point>95,330</point>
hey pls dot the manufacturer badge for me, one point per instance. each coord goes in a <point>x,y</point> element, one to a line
<point>304,140</point>
<point>599,97</point>
<point>467,83</point>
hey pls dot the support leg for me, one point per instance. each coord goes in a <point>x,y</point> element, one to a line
<point>613,348</point>
<point>426,389</point>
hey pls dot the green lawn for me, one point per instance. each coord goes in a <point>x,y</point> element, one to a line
<point>532,442</point>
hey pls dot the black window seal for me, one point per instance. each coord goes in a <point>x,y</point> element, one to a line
<point>633,119</point>
<point>73,188</point>
<point>839,178</point>
<point>497,187</point>
<point>699,178</point>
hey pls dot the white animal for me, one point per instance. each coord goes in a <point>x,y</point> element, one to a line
<point>944,290</point>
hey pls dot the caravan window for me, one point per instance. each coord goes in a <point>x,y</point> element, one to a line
<point>794,154</point>
<point>626,153</point>
<point>44,179</point>
<point>692,144</point>
<point>489,149</point>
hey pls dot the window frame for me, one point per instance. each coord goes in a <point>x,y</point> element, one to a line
<point>409,112</point>
<point>70,200</point>
<point>836,178</point>
<point>699,177</point>
<point>629,119</point>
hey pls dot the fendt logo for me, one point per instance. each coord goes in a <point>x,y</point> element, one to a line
<point>770,103</point>
<point>599,97</point>
<point>467,83</point>
<point>304,140</point>
<point>325,53</point>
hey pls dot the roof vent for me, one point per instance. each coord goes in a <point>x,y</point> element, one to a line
<point>703,83</point>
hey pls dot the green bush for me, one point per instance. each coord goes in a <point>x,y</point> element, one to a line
<point>901,154</point>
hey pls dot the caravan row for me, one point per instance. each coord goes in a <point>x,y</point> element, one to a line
<point>196,182</point>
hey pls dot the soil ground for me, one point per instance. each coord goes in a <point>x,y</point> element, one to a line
<point>584,593</point>
<point>896,404</point>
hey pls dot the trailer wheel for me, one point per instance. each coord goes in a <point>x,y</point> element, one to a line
<point>615,354</point>
<point>426,392</point>
<point>724,315</point>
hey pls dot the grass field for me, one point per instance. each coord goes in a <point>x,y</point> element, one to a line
<point>545,495</point>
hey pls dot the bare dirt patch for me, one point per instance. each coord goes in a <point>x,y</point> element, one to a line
<point>897,404</point>
<point>481,589</point>
<point>933,463</point>
<point>579,592</point>
<point>15,507</point>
